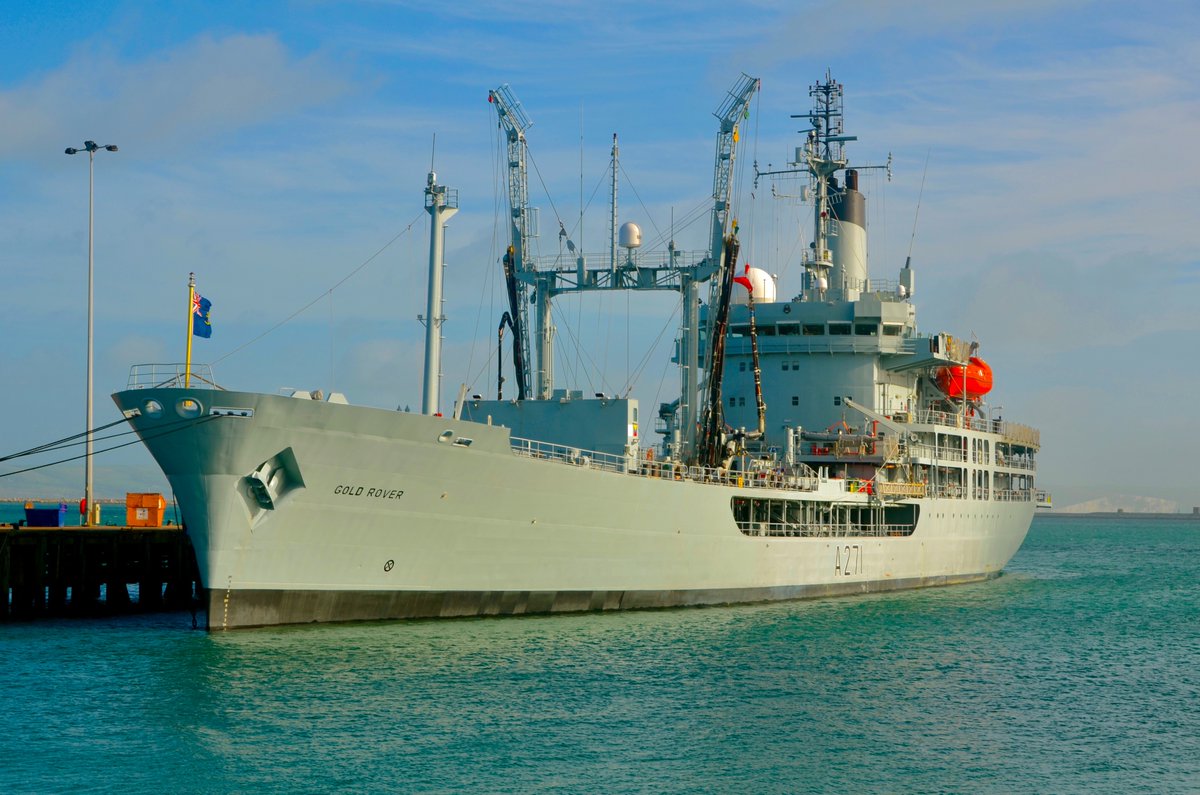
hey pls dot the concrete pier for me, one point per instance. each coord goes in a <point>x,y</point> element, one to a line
<point>88,571</point>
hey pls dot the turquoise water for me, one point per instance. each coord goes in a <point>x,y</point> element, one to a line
<point>1077,671</point>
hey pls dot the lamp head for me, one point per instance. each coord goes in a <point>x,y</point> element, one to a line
<point>90,146</point>
<point>111,147</point>
<point>71,151</point>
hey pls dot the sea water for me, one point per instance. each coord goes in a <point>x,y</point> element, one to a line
<point>113,514</point>
<point>1078,670</point>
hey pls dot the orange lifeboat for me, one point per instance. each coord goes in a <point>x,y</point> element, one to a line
<point>975,379</point>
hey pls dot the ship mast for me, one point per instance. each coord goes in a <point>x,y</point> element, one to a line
<point>836,261</point>
<point>442,204</point>
<point>823,154</point>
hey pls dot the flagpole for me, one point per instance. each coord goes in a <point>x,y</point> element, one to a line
<point>187,372</point>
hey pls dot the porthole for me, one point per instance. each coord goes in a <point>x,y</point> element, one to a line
<point>152,408</point>
<point>188,408</point>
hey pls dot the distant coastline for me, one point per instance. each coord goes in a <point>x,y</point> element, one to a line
<point>1190,516</point>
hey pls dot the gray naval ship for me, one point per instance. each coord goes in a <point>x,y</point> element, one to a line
<point>820,445</point>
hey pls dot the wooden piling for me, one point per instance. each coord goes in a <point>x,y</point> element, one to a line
<point>57,571</point>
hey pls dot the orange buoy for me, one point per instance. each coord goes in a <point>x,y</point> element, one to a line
<point>975,379</point>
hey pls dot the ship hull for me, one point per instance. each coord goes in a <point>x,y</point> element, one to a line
<point>257,608</point>
<point>303,511</point>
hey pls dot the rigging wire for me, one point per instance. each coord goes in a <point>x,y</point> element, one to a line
<point>920,195</point>
<point>592,362</point>
<point>697,213</point>
<point>66,441</point>
<point>196,421</point>
<point>545,190</point>
<point>651,349</point>
<point>751,212</point>
<point>339,283</point>
<point>65,445</point>
<point>645,209</point>
<point>486,282</point>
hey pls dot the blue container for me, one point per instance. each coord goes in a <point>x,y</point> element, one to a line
<point>46,517</point>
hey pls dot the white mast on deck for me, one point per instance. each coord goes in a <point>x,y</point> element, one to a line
<point>442,203</point>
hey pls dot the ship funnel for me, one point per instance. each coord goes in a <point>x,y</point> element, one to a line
<point>848,244</point>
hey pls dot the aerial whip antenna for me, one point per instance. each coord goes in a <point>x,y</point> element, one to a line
<point>917,214</point>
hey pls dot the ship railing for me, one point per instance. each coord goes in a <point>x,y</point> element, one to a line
<point>947,490</point>
<point>1014,495</point>
<point>954,492</point>
<point>796,343</point>
<point>1021,434</point>
<point>763,479</point>
<point>1018,461</point>
<point>823,530</point>
<point>953,420</point>
<point>1011,431</point>
<point>638,464</point>
<point>942,453</point>
<point>159,374</point>
<point>660,258</point>
<point>575,456</point>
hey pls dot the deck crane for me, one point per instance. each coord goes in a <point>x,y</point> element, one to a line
<point>518,267</point>
<point>681,271</point>
<point>723,254</point>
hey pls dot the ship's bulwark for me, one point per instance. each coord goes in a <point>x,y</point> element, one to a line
<point>311,511</point>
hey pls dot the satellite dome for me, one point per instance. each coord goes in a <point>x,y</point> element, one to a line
<point>758,280</point>
<point>630,235</point>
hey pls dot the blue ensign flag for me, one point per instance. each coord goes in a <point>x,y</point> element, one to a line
<point>201,326</point>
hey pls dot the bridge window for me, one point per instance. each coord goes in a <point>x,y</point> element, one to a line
<point>866,329</point>
<point>840,329</point>
<point>814,330</point>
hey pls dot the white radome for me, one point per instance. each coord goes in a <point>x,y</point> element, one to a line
<point>762,283</point>
<point>630,235</point>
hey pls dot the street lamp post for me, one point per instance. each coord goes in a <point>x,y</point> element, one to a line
<point>91,148</point>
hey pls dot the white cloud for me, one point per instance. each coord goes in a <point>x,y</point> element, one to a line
<point>169,101</point>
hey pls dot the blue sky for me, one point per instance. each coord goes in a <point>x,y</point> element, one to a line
<point>273,148</point>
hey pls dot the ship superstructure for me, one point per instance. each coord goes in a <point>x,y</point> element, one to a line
<point>821,443</point>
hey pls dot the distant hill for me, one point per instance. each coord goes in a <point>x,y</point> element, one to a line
<point>1122,502</point>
